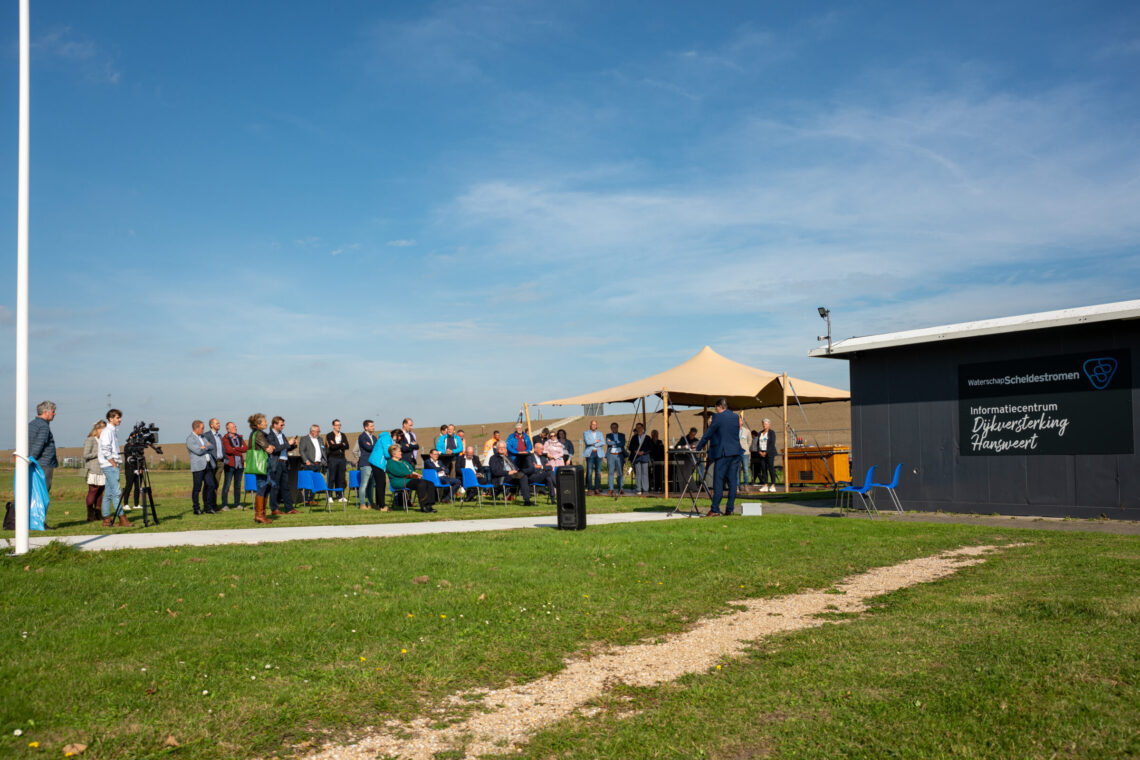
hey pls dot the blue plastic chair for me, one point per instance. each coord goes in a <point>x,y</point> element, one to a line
<point>471,480</point>
<point>354,484</point>
<point>305,485</point>
<point>432,477</point>
<point>864,492</point>
<point>249,485</point>
<point>318,482</point>
<point>892,486</point>
<point>406,493</point>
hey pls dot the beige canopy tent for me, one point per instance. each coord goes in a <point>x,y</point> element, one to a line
<point>702,380</point>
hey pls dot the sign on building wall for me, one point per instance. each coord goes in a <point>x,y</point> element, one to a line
<point>1069,404</point>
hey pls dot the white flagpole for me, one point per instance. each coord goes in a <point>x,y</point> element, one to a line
<point>21,469</point>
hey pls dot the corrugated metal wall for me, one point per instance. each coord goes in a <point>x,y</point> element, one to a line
<point>904,407</point>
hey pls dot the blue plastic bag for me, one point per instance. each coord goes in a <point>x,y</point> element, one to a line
<point>39,495</point>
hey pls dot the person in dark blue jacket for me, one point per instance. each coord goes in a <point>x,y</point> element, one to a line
<point>723,439</point>
<point>41,443</point>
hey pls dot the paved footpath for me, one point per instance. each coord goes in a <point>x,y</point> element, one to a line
<point>818,508</point>
<point>104,542</point>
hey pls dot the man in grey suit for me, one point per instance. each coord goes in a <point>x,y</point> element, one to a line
<point>313,449</point>
<point>314,455</point>
<point>202,469</point>
<point>213,438</point>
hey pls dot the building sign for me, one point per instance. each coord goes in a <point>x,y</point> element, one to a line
<point>1070,404</point>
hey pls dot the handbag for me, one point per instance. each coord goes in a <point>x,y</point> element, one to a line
<point>256,460</point>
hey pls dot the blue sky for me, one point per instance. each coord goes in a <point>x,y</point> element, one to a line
<point>445,209</point>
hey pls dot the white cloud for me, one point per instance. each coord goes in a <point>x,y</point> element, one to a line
<point>64,44</point>
<point>401,243</point>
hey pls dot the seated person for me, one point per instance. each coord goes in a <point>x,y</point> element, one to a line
<point>503,472</point>
<point>434,463</point>
<point>537,469</point>
<point>401,475</point>
<point>468,461</point>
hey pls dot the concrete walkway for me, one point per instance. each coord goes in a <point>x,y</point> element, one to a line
<point>107,541</point>
<point>816,508</point>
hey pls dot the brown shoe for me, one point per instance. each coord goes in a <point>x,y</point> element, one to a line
<point>277,513</point>
<point>108,522</point>
<point>124,522</point>
<point>259,511</point>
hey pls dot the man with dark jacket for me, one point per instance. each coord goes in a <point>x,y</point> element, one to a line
<point>536,467</point>
<point>365,442</point>
<point>503,472</point>
<point>280,499</point>
<point>723,439</point>
<point>410,448</point>
<point>41,443</point>
<point>435,462</point>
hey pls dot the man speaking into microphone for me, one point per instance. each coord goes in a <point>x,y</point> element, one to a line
<point>723,439</point>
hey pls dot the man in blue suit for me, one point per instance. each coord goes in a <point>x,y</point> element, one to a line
<point>723,438</point>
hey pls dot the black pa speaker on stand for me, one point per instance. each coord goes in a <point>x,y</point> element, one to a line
<point>571,482</point>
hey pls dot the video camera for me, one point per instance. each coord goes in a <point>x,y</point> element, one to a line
<point>142,436</point>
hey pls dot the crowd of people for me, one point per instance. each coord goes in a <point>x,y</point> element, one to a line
<point>387,462</point>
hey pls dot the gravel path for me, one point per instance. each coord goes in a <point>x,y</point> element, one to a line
<point>512,714</point>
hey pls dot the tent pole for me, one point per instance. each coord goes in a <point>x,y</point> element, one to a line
<point>526,413</point>
<point>665,397</point>
<point>787,475</point>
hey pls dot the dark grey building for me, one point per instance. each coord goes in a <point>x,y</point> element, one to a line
<point>1027,415</point>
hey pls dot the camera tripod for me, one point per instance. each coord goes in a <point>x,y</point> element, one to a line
<point>138,478</point>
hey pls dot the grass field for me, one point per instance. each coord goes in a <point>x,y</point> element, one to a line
<point>255,650</point>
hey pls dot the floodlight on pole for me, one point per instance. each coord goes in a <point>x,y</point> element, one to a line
<point>825,313</point>
<point>20,479</point>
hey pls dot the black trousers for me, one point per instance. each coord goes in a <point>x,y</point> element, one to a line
<point>380,483</point>
<point>425,492</point>
<point>205,482</point>
<point>134,482</point>
<point>764,468</point>
<point>337,469</point>
<point>521,480</point>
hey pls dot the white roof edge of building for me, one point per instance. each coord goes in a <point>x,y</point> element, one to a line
<point>1121,310</point>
